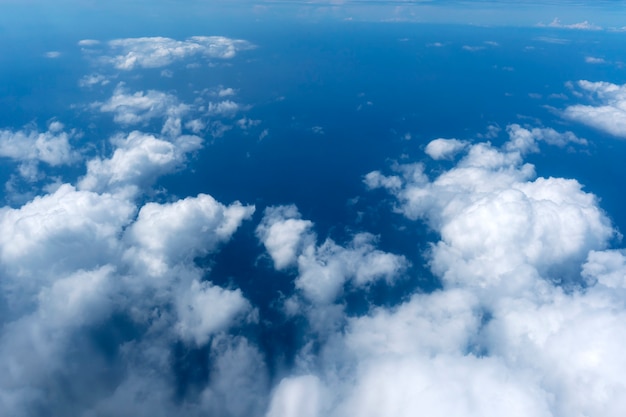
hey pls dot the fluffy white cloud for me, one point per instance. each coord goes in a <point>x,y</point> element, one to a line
<point>166,234</point>
<point>140,107</point>
<point>57,234</point>
<point>284,233</point>
<point>525,140</point>
<point>226,108</point>
<point>444,148</point>
<point>137,161</point>
<point>324,269</point>
<point>79,258</point>
<point>510,244</point>
<point>155,52</point>
<point>29,146</point>
<point>511,331</point>
<point>89,81</point>
<point>609,115</point>
<point>206,309</point>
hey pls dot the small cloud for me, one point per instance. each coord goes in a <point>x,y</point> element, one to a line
<point>226,92</point>
<point>52,54</point>
<point>88,42</point>
<point>245,123</point>
<point>491,43</point>
<point>167,73</point>
<point>265,133</point>
<point>439,149</point>
<point>319,130</point>
<point>435,45</point>
<point>93,79</point>
<point>226,108</point>
<point>556,23</point>
<point>473,48</point>
<point>594,60</point>
<point>535,96</point>
<point>156,52</point>
<point>549,39</point>
<point>559,96</point>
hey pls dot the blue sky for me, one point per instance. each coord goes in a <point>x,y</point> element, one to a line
<point>312,209</point>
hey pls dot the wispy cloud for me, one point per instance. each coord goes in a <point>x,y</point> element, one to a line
<point>584,25</point>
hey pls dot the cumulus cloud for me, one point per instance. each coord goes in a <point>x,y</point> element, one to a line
<point>166,234</point>
<point>608,115</point>
<point>444,148</point>
<point>526,281</point>
<point>284,233</point>
<point>156,52</point>
<point>526,140</point>
<point>78,260</point>
<point>137,161</point>
<point>30,147</point>
<point>226,108</point>
<point>324,269</point>
<point>140,107</point>
<point>91,80</point>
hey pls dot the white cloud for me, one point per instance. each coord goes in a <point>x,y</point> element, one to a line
<point>444,148</point>
<point>609,115</point>
<point>244,123</point>
<point>526,140</point>
<point>226,92</point>
<point>297,397</point>
<point>166,234</point>
<point>324,269</point>
<point>511,332</point>
<point>473,48</point>
<point>195,125</point>
<point>52,54</point>
<point>30,147</point>
<point>74,259</point>
<point>137,161</point>
<point>141,107</point>
<point>156,52</point>
<point>594,60</point>
<point>89,81</point>
<point>584,25</point>
<point>284,233</point>
<point>88,42</point>
<point>225,108</point>
<point>206,309</point>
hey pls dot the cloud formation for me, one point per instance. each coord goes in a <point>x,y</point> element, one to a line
<point>77,259</point>
<point>157,52</point>
<point>607,114</point>
<point>525,280</point>
<point>30,147</point>
<point>584,25</point>
<point>324,269</point>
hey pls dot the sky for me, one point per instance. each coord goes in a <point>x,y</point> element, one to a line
<point>326,208</point>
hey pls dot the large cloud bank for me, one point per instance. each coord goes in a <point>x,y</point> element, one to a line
<point>529,321</point>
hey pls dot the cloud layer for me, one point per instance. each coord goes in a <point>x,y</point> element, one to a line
<point>113,301</point>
